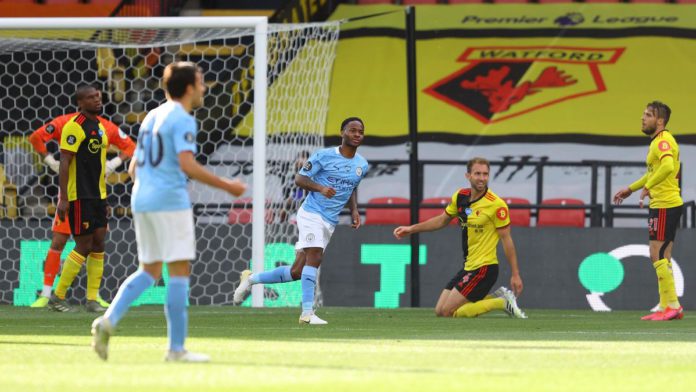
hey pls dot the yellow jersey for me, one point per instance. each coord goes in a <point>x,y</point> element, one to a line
<point>88,140</point>
<point>664,193</point>
<point>480,220</point>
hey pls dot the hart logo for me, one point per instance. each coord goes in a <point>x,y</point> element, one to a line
<point>504,82</point>
<point>570,19</point>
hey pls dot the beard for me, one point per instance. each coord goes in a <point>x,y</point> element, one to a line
<point>649,130</point>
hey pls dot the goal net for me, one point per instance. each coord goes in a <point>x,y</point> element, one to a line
<point>257,123</point>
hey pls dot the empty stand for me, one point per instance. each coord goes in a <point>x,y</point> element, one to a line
<point>241,212</point>
<point>427,213</point>
<point>518,216</point>
<point>561,217</point>
<point>388,216</point>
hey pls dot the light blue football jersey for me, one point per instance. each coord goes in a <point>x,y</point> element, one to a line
<point>329,168</point>
<point>160,184</point>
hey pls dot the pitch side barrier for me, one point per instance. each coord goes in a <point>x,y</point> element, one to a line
<point>600,214</point>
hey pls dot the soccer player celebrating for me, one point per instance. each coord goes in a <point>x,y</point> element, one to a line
<point>661,184</point>
<point>484,220</point>
<point>162,214</point>
<point>331,176</point>
<point>80,183</point>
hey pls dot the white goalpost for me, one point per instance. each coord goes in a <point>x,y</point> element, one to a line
<point>266,105</point>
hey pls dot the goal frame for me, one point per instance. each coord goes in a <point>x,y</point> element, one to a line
<point>260,26</point>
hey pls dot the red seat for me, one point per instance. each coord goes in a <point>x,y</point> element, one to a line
<point>518,216</point>
<point>427,213</point>
<point>686,1</point>
<point>388,216</point>
<point>241,212</point>
<point>556,217</point>
<point>464,1</point>
<point>416,2</point>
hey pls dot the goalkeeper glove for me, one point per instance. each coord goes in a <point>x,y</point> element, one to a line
<point>112,164</point>
<point>52,163</point>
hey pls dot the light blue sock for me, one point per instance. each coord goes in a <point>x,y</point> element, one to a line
<point>176,312</point>
<point>278,275</point>
<point>129,291</point>
<point>309,281</point>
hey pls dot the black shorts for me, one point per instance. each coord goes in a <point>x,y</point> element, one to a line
<point>86,215</point>
<point>663,223</point>
<point>474,285</point>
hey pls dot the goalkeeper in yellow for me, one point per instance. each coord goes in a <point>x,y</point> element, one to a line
<point>661,184</point>
<point>484,219</point>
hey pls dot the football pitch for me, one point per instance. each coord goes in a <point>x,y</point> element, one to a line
<point>360,350</point>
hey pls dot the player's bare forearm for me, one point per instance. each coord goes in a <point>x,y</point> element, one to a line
<point>196,171</point>
<point>131,168</point>
<point>432,224</point>
<point>510,254</point>
<point>307,184</point>
<point>66,158</point>
<point>353,201</point>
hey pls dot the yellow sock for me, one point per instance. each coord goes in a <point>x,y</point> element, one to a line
<point>672,299</point>
<point>71,267</point>
<point>665,284</point>
<point>95,270</point>
<point>474,309</point>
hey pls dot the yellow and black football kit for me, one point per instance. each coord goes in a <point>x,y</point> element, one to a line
<point>662,180</point>
<point>88,140</point>
<point>479,220</point>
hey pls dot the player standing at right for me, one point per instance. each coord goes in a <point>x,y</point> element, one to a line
<point>661,184</point>
<point>162,214</point>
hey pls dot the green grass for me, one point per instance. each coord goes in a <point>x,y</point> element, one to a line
<point>360,350</point>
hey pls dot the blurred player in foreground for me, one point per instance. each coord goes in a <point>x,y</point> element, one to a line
<point>162,214</point>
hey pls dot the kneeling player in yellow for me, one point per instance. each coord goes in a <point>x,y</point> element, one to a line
<point>484,220</point>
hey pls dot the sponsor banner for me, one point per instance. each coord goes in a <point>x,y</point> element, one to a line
<point>512,73</point>
<point>562,268</point>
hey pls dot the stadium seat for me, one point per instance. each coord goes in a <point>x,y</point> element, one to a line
<point>416,2</point>
<point>364,2</point>
<point>464,1</point>
<point>556,217</point>
<point>648,1</point>
<point>427,213</point>
<point>555,1</point>
<point>388,216</point>
<point>510,1</point>
<point>242,214</point>
<point>686,1</point>
<point>519,217</point>
<point>602,1</point>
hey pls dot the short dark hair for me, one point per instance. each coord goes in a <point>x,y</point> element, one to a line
<point>81,90</point>
<point>661,110</point>
<point>349,119</point>
<point>477,161</point>
<point>178,76</point>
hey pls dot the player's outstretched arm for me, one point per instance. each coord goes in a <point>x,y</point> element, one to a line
<point>432,224</point>
<point>624,193</point>
<point>307,184</point>
<point>511,256</point>
<point>196,171</point>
